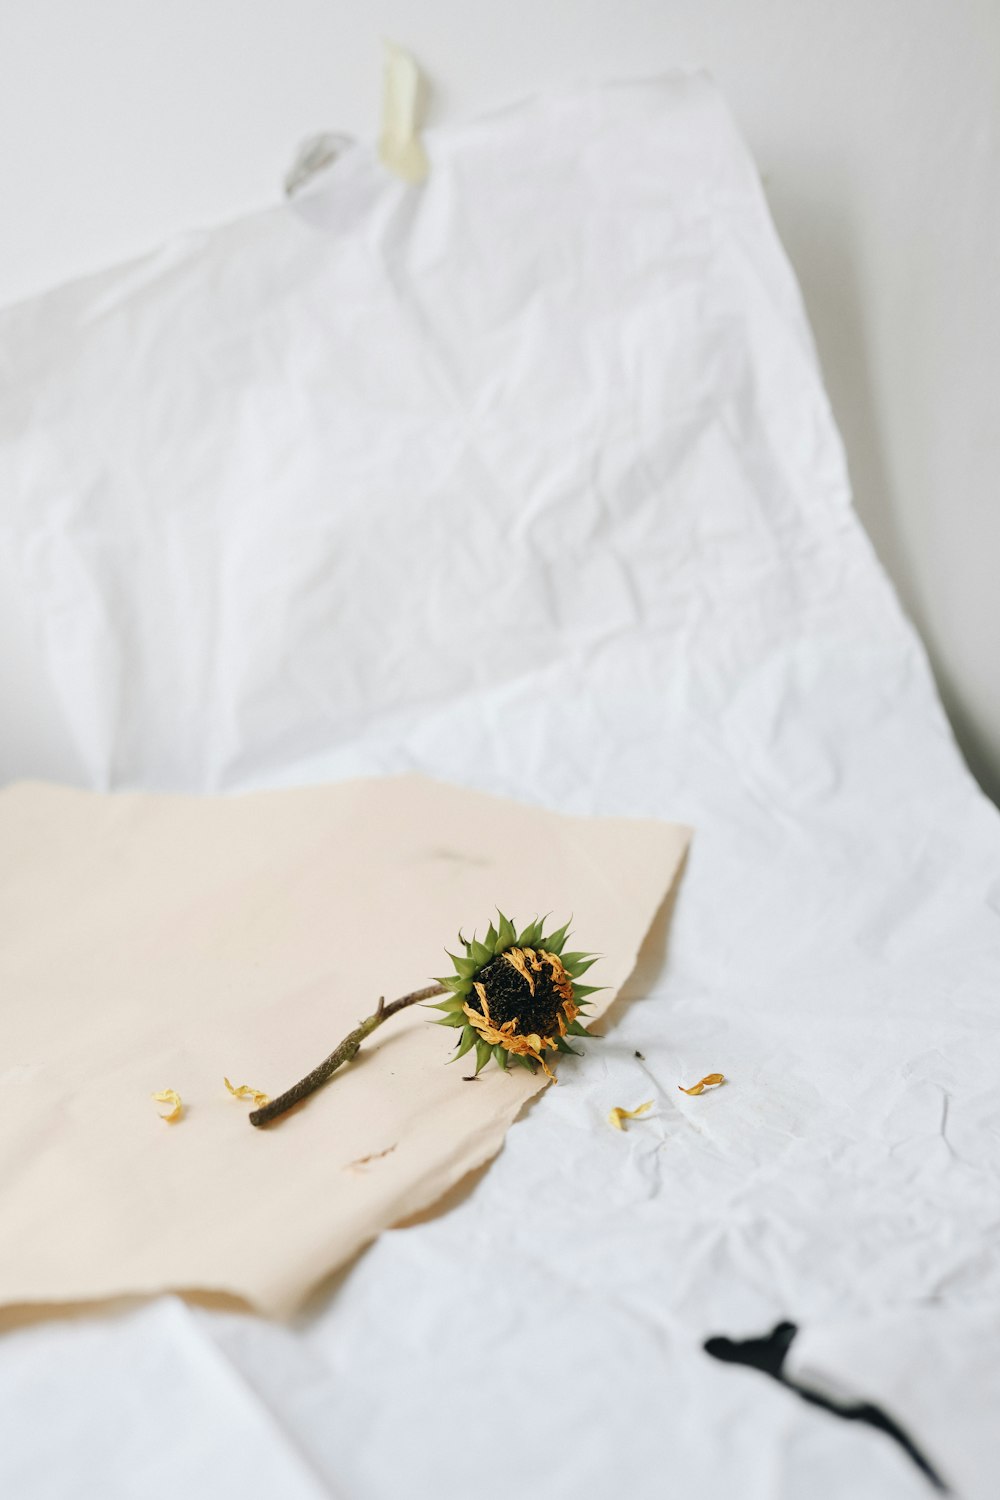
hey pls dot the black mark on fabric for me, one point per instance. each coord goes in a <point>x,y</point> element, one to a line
<point>768,1355</point>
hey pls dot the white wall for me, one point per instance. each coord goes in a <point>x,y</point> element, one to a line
<point>875,122</point>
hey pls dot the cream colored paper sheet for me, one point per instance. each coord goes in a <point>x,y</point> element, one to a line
<point>159,942</point>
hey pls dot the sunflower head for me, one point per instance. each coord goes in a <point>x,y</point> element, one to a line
<point>516,995</point>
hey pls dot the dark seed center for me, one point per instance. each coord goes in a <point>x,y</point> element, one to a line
<point>509,997</point>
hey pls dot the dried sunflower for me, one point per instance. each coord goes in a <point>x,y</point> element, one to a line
<point>513,995</point>
<point>516,995</point>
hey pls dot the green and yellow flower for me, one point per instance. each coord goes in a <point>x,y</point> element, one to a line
<point>516,996</point>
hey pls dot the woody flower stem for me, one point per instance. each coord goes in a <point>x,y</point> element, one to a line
<point>347,1049</point>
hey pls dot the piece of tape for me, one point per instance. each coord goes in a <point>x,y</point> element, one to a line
<point>404,92</point>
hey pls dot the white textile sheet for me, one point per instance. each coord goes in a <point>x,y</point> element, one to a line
<point>525,478</point>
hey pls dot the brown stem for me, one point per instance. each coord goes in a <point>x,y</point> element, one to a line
<point>344,1053</point>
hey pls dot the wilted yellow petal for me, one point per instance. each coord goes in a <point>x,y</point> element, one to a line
<point>246,1092</point>
<point>710,1081</point>
<point>173,1098</point>
<point>517,958</point>
<point>618,1114</point>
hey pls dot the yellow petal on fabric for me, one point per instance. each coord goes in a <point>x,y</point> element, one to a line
<point>619,1114</point>
<point>246,1092</point>
<point>173,1098</point>
<point>710,1081</point>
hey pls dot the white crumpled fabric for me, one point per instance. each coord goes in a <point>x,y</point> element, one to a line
<point>526,478</point>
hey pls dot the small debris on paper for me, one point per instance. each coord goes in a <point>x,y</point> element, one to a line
<point>246,1092</point>
<point>618,1114</point>
<point>363,1161</point>
<point>710,1081</point>
<point>173,1098</point>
